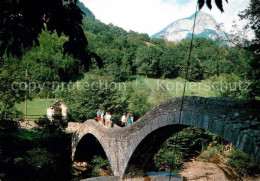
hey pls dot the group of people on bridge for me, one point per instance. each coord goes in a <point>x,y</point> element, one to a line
<point>105,119</point>
<point>127,120</point>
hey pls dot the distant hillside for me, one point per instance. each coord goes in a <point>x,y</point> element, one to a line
<point>206,26</point>
<point>87,12</point>
<point>124,54</point>
<point>95,26</point>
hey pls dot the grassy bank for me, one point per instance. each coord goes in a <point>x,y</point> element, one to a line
<point>35,107</point>
<point>174,88</point>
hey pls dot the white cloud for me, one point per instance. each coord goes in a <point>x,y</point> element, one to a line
<point>151,16</point>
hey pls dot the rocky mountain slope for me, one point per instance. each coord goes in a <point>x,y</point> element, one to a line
<point>206,26</point>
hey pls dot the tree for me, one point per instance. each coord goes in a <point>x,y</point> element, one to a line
<point>139,105</point>
<point>252,13</point>
<point>147,60</point>
<point>86,97</point>
<point>168,63</point>
<point>22,22</point>
<point>47,64</point>
<point>11,91</point>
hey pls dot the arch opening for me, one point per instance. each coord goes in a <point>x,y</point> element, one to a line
<point>90,159</point>
<point>88,148</point>
<point>141,160</point>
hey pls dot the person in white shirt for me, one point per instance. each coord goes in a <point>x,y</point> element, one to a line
<point>106,119</point>
<point>123,120</point>
<point>102,118</point>
<point>109,121</point>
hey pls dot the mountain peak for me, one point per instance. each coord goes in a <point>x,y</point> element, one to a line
<point>206,26</point>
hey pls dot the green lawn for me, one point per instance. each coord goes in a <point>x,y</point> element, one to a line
<point>35,107</point>
<point>173,87</point>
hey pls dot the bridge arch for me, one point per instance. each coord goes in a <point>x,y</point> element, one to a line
<point>235,121</point>
<point>87,148</point>
<point>91,128</point>
<point>141,160</point>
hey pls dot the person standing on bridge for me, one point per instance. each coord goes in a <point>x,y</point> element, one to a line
<point>102,118</point>
<point>109,121</point>
<point>132,118</point>
<point>106,118</point>
<point>99,115</point>
<point>128,119</point>
<point>123,120</point>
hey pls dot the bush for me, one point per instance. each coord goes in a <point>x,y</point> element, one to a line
<point>18,160</point>
<point>190,143</point>
<point>40,157</point>
<point>35,155</point>
<point>210,155</point>
<point>56,124</point>
<point>85,102</point>
<point>139,104</point>
<point>242,163</point>
<point>164,160</point>
<point>9,125</point>
<point>230,85</point>
<point>2,175</point>
<point>98,163</point>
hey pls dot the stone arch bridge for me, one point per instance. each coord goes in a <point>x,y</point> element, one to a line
<point>236,121</point>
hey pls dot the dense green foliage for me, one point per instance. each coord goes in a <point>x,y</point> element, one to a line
<point>252,14</point>
<point>34,155</point>
<point>94,94</point>
<point>242,163</point>
<point>231,85</point>
<point>187,144</point>
<point>98,163</point>
<point>127,54</point>
<point>196,143</point>
<point>23,21</point>
<point>9,94</point>
<point>46,64</point>
<point>101,93</point>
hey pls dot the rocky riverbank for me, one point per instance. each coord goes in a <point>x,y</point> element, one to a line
<point>198,171</point>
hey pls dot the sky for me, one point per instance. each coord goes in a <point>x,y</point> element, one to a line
<point>151,16</point>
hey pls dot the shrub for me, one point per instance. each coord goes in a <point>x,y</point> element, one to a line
<point>164,160</point>
<point>56,124</point>
<point>18,160</point>
<point>2,175</point>
<point>139,103</point>
<point>230,85</point>
<point>98,163</point>
<point>190,143</point>
<point>40,157</point>
<point>85,102</point>
<point>242,163</point>
<point>210,155</point>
